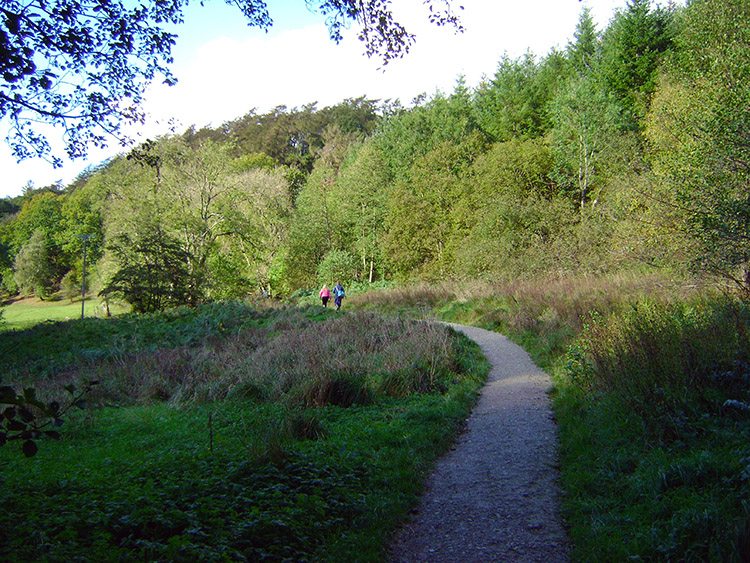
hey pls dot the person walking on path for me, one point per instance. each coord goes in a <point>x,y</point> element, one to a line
<point>494,496</point>
<point>325,295</point>
<point>338,295</point>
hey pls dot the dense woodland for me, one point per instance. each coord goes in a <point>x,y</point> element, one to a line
<point>628,149</point>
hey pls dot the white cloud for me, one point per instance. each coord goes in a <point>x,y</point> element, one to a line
<point>230,75</point>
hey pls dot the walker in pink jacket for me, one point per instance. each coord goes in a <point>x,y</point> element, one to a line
<point>325,295</point>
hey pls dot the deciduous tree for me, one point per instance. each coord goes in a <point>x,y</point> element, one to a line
<point>84,65</point>
<point>699,135</point>
<point>33,273</point>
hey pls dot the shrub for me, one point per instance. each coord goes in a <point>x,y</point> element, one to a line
<point>337,265</point>
<point>663,359</point>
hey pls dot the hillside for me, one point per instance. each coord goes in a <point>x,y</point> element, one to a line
<point>616,154</point>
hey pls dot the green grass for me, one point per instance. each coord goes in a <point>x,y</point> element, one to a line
<point>25,313</point>
<point>143,484</point>
<point>244,478</point>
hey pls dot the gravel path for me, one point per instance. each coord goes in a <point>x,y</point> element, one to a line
<point>494,496</point>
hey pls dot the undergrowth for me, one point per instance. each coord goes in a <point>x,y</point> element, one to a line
<point>656,405</point>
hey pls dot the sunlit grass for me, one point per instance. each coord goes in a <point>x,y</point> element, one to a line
<point>25,313</point>
<point>295,472</point>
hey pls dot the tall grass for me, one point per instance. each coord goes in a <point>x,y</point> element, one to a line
<point>346,360</point>
<point>235,434</point>
<point>544,315</point>
<point>652,398</point>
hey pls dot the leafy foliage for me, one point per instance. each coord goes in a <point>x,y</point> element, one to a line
<point>84,66</point>
<point>24,417</point>
<point>701,148</point>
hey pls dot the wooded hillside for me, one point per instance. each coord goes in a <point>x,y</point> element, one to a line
<point>626,150</point>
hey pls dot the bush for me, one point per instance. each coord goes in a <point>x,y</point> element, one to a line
<point>663,359</point>
<point>337,265</point>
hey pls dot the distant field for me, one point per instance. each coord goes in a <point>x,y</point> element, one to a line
<point>24,313</point>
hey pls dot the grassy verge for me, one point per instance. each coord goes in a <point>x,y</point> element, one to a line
<point>656,408</point>
<point>315,468</point>
<point>652,398</point>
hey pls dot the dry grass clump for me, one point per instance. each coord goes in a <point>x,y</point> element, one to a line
<point>533,304</point>
<point>343,361</point>
<point>415,297</point>
<point>348,360</point>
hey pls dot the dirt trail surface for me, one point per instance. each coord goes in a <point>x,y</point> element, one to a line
<point>494,496</point>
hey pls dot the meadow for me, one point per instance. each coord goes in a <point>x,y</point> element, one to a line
<point>650,394</point>
<point>187,450</point>
<point>25,313</point>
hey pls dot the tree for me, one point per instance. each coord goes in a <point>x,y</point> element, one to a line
<point>257,212</point>
<point>584,120</point>
<point>32,268</point>
<point>699,138</point>
<point>84,65</point>
<point>316,226</point>
<point>42,211</point>
<point>337,265</point>
<point>406,135</point>
<point>421,213</point>
<point>514,103</point>
<point>364,181</point>
<point>633,47</point>
<point>582,51</point>
<point>153,274</point>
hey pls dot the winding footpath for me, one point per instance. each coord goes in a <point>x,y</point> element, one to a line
<point>494,496</point>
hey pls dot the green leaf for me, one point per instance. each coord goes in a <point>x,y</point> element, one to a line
<point>26,414</point>
<point>30,448</point>
<point>10,413</point>
<point>16,426</point>
<point>52,434</point>
<point>8,395</point>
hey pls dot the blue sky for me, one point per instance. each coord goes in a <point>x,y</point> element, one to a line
<point>226,69</point>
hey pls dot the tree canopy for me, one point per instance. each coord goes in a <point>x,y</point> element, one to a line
<point>84,65</point>
<point>548,168</point>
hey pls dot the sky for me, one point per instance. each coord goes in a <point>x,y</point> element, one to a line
<point>226,69</point>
